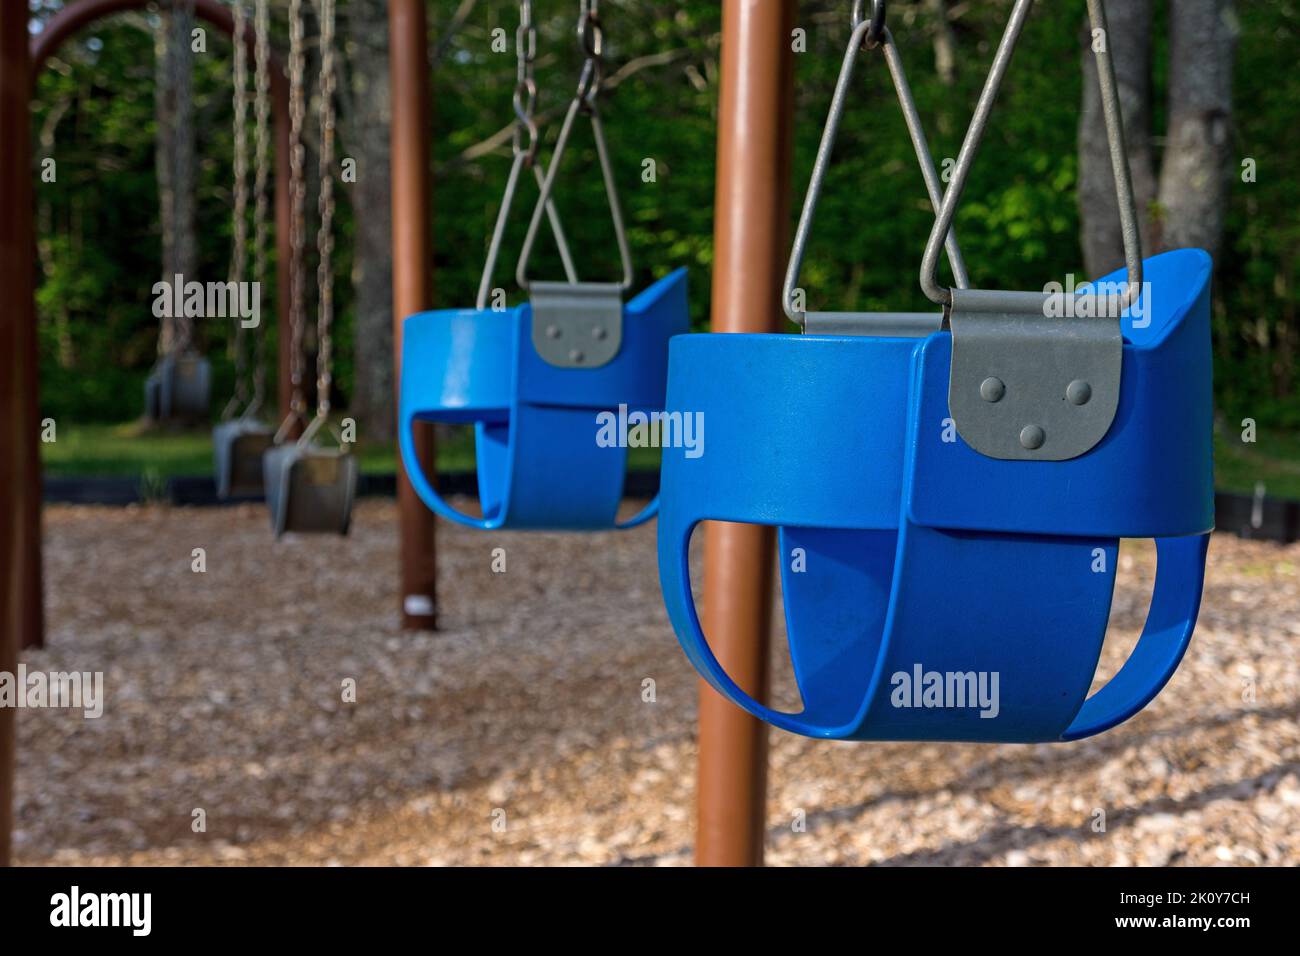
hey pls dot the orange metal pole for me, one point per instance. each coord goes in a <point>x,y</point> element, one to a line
<point>408,58</point>
<point>751,223</point>
<point>20,484</point>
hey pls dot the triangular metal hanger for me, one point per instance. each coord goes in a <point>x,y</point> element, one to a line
<point>525,155</point>
<point>868,34</point>
<point>975,134</point>
<point>591,39</point>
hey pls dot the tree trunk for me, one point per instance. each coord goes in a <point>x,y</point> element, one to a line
<point>1194,177</point>
<point>164,163</point>
<point>945,43</point>
<point>45,231</point>
<point>175,162</point>
<point>366,113</point>
<point>1129,42</point>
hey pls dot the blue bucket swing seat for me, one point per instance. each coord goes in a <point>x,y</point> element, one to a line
<point>951,489</point>
<point>538,380</point>
<point>536,425</point>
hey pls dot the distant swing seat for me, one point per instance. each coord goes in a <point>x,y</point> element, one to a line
<point>914,567</point>
<point>309,489</point>
<point>178,389</point>
<point>237,449</point>
<point>539,463</point>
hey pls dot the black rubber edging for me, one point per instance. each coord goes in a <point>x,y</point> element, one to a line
<point>1266,519</point>
<point>1269,519</point>
<point>201,490</point>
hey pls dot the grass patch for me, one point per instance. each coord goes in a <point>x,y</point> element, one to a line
<point>1273,458</point>
<point>127,451</point>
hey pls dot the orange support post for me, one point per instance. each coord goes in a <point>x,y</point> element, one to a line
<point>751,224</point>
<point>20,479</point>
<point>408,58</point>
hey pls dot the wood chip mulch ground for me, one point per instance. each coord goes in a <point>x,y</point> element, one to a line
<point>519,733</point>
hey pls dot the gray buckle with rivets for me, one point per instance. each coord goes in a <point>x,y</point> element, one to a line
<point>1028,384</point>
<point>577,325</point>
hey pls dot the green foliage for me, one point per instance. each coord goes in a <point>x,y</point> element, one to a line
<point>1257,314</point>
<point>1019,226</point>
<point>1273,460</point>
<point>663,113</point>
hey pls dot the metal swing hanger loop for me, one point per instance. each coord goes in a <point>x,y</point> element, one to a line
<point>524,101</point>
<point>858,41</point>
<point>876,33</point>
<point>591,40</point>
<point>525,94</point>
<point>975,134</point>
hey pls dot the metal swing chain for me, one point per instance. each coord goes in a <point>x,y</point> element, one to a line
<point>975,133</point>
<point>866,35</point>
<point>591,39</point>
<point>325,206</point>
<point>261,178</point>
<point>240,213</point>
<point>297,219</point>
<point>525,105</point>
<point>591,36</point>
<point>524,99</point>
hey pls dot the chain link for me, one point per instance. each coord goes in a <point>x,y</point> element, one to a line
<point>261,180</point>
<point>325,206</point>
<point>591,37</point>
<point>877,30</point>
<point>240,224</point>
<point>525,97</point>
<point>297,203</point>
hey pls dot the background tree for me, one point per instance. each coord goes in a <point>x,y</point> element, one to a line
<point>1188,206</point>
<point>175,158</point>
<point>1130,47</point>
<point>1020,224</point>
<point>364,115</point>
<point>1198,144</point>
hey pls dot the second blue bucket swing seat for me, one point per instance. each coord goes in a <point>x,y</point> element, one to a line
<point>951,489</point>
<point>535,379</point>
